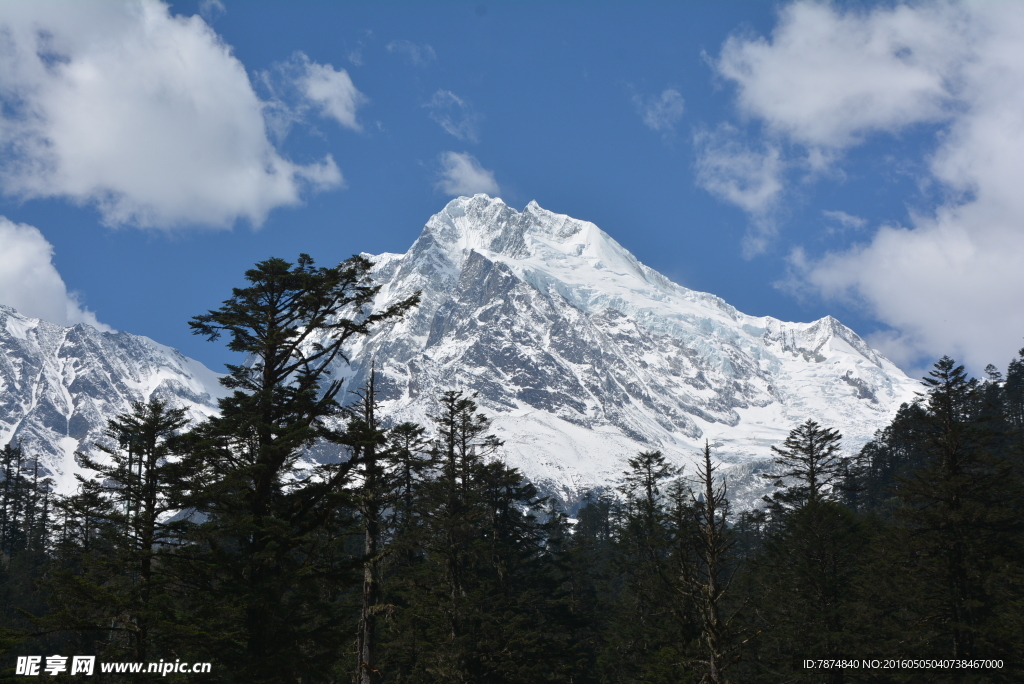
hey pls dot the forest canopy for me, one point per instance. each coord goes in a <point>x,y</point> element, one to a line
<point>420,556</point>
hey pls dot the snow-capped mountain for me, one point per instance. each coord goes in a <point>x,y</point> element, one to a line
<point>583,356</point>
<point>59,386</point>
<point>580,354</point>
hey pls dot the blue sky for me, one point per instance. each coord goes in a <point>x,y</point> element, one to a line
<point>797,159</point>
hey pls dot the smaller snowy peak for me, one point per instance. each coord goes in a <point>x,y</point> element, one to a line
<point>818,340</point>
<point>59,386</point>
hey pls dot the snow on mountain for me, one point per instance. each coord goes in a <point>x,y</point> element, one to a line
<point>583,356</point>
<point>59,386</point>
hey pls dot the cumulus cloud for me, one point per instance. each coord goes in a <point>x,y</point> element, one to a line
<point>145,115</point>
<point>949,281</point>
<point>827,78</point>
<point>838,222</point>
<point>661,113</point>
<point>455,115</point>
<point>331,91</point>
<point>747,177</point>
<point>30,283</point>
<point>461,174</point>
<point>297,87</point>
<point>419,55</point>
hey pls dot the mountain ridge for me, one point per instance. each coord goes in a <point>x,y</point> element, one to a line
<point>554,324</point>
<point>59,385</point>
<point>580,354</point>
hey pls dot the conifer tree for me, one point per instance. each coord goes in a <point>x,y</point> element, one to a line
<point>810,458</point>
<point>802,582</point>
<point>477,603</point>
<point>26,528</point>
<point>963,519</point>
<point>365,437</point>
<point>706,571</point>
<point>264,560</point>
<point>647,630</point>
<point>24,502</point>
<point>407,466</point>
<point>1013,396</point>
<point>112,582</point>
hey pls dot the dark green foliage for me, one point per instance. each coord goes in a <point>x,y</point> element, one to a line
<point>113,583</point>
<point>706,570</point>
<point>803,590</point>
<point>421,558</point>
<point>26,530</point>
<point>810,466</point>
<point>24,503</point>
<point>1013,398</point>
<point>265,563</point>
<point>475,603</point>
<point>896,452</point>
<point>961,510</point>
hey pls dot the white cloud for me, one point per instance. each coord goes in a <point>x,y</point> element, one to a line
<point>29,281</point>
<point>455,115</point>
<point>827,78</point>
<point>661,113</point>
<point>840,221</point>
<point>145,115</point>
<point>949,282</point>
<point>462,174</point>
<point>751,179</point>
<point>212,10</point>
<point>331,91</point>
<point>843,219</point>
<point>419,55</point>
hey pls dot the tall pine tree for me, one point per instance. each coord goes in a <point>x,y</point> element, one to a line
<point>263,562</point>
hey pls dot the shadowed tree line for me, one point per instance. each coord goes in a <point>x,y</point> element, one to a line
<point>421,557</point>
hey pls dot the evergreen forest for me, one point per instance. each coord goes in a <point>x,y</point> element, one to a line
<point>421,557</point>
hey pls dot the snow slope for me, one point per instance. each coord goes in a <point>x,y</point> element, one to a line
<point>583,356</point>
<point>60,385</point>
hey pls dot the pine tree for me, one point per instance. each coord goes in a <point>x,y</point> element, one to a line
<point>407,468</point>
<point>1013,396</point>
<point>802,582</point>
<point>811,464</point>
<point>474,599</point>
<point>961,510</point>
<point>111,581</point>
<point>365,436</point>
<point>264,560</point>
<point>25,528</point>
<point>24,502</point>
<point>649,625</point>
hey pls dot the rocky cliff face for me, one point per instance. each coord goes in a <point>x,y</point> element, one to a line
<point>59,386</point>
<point>583,356</point>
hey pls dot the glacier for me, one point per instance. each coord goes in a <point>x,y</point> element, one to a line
<point>582,356</point>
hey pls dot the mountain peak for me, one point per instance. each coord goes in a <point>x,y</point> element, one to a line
<point>534,239</point>
<point>583,355</point>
